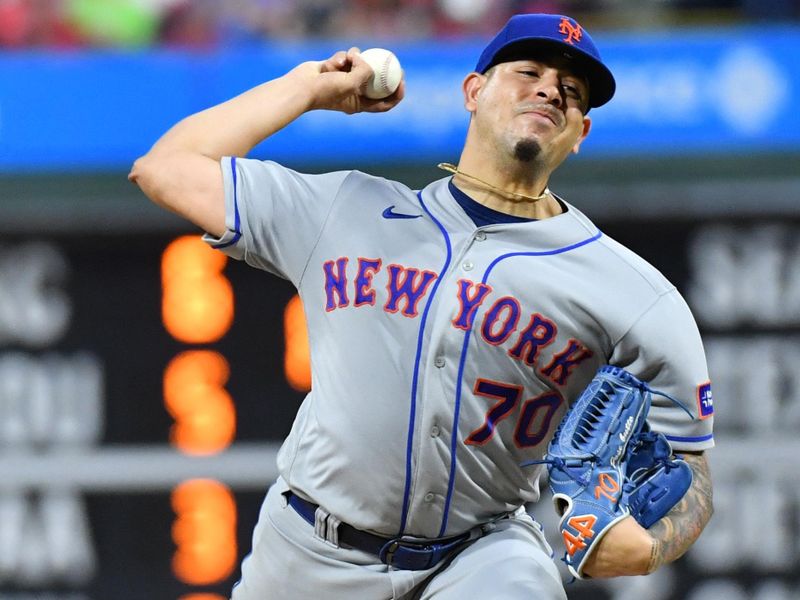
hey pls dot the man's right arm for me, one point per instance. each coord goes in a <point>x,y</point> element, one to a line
<point>181,172</point>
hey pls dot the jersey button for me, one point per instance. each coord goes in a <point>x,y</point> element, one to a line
<point>434,431</point>
<point>429,497</point>
<point>439,361</point>
<point>480,236</point>
<point>468,266</point>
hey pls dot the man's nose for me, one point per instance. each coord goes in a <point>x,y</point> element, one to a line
<point>550,91</point>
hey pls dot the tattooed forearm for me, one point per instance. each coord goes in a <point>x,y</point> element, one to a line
<point>677,531</point>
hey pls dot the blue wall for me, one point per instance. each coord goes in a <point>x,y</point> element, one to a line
<point>716,91</point>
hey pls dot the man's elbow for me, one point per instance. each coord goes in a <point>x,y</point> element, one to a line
<point>139,170</point>
<point>142,170</point>
<point>147,172</point>
<point>189,185</point>
<point>136,169</point>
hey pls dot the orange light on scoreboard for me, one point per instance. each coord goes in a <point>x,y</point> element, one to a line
<point>297,356</point>
<point>196,398</point>
<point>197,308</point>
<point>204,532</point>
<point>197,299</point>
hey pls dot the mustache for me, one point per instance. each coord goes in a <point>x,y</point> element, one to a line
<point>542,107</point>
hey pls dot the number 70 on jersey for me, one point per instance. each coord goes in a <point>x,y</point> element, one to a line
<point>531,417</point>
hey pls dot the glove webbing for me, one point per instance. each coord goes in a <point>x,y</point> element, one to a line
<point>560,462</point>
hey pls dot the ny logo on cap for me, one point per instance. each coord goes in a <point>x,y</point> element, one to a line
<point>573,32</point>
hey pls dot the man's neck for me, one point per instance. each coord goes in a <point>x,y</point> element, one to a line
<point>542,208</point>
<point>521,192</point>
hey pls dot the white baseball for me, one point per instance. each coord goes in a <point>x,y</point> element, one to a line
<point>387,73</point>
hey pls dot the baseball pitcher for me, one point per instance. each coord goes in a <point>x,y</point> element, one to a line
<point>464,338</point>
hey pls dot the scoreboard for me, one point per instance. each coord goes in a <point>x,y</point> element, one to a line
<point>144,388</point>
<point>146,383</point>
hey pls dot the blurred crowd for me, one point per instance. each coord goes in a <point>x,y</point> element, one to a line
<point>213,23</point>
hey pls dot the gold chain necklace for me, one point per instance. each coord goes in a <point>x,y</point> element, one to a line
<point>510,195</point>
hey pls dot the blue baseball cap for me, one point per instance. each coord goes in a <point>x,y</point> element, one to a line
<point>525,33</point>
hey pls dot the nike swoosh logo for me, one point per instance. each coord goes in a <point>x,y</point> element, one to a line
<point>390,214</point>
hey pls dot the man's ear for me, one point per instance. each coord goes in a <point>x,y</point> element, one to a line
<point>471,86</point>
<point>587,126</point>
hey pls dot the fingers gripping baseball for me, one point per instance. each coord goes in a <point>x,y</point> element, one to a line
<point>338,82</point>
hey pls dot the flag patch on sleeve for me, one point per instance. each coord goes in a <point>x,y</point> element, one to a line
<point>705,400</point>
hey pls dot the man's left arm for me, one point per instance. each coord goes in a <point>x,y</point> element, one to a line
<point>674,534</point>
<point>629,549</point>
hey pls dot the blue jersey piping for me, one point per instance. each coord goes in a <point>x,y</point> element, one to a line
<point>415,379</point>
<point>464,348</point>
<point>236,229</point>
<point>677,438</point>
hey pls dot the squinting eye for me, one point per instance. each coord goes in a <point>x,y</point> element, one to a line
<point>572,92</point>
<point>531,73</point>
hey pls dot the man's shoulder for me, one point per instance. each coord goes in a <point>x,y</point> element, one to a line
<point>636,262</point>
<point>334,180</point>
<point>619,258</point>
<point>361,179</point>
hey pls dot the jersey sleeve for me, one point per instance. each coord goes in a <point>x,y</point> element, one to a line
<point>663,347</point>
<point>274,215</point>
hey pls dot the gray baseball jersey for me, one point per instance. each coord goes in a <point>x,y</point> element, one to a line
<point>443,355</point>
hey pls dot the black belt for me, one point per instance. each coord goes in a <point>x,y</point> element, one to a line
<point>402,552</point>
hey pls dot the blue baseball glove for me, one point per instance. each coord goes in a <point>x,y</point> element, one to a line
<point>654,479</point>
<point>604,464</point>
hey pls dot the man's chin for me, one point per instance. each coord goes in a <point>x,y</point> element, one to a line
<point>527,150</point>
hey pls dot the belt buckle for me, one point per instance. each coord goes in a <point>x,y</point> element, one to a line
<point>387,551</point>
<point>407,553</point>
<point>415,554</point>
<point>391,547</point>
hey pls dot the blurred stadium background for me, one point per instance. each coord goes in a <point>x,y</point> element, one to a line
<point>145,383</point>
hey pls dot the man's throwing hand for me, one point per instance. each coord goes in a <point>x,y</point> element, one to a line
<point>337,83</point>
